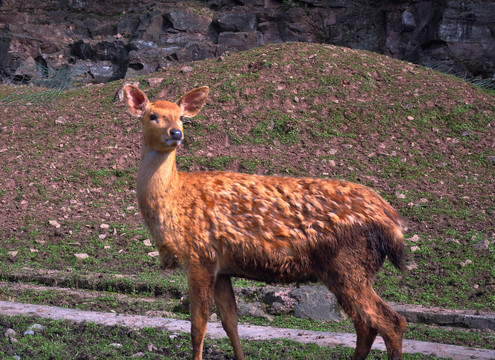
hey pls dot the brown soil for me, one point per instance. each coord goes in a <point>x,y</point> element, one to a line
<point>329,112</point>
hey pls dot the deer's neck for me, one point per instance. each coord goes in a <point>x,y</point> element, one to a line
<point>157,181</point>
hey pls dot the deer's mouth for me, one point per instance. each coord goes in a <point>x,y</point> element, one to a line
<point>172,142</point>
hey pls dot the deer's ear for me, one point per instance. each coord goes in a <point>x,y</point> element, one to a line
<point>136,100</point>
<point>191,102</point>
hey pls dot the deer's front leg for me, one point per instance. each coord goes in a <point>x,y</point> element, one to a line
<point>200,291</point>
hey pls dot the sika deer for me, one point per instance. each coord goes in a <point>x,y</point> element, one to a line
<point>274,229</point>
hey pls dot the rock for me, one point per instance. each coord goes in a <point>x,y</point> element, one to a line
<point>317,303</point>
<point>449,240</point>
<point>54,223</point>
<point>36,327</point>
<point>186,69</point>
<point>153,253</point>
<point>414,238</point>
<point>10,335</point>
<point>81,257</point>
<point>254,309</point>
<point>88,71</point>
<point>60,120</point>
<point>127,26</point>
<point>408,21</point>
<point>147,242</point>
<point>26,71</point>
<point>184,21</point>
<point>238,40</point>
<point>28,332</point>
<point>148,58</point>
<point>100,61</point>
<point>411,266</point>
<point>236,22</point>
<point>12,254</point>
<point>139,354</point>
<point>482,245</point>
<point>465,263</point>
<point>104,226</point>
<point>153,82</point>
<point>415,248</point>
<point>279,300</point>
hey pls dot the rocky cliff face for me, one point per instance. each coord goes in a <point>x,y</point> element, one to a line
<point>95,41</point>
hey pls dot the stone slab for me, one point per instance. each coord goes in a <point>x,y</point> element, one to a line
<point>248,332</point>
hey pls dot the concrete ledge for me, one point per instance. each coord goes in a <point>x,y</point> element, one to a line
<point>247,332</point>
<point>446,317</point>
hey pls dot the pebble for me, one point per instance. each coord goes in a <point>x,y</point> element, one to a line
<point>186,69</point>
<point>81,256</point>
<point>60,120</point>
<point>9,333</point>
<point>414,238</point>
<point>37,327</point>
<point>54,223</point>
<point>28,332</point>
<point>147,242</point>
<point>482,245</point>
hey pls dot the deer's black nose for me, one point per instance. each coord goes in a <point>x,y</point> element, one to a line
<point>176,134</point>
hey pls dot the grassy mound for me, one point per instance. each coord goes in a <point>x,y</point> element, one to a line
<point>422,139</point>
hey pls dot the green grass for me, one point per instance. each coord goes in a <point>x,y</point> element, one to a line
<point>65,340</point>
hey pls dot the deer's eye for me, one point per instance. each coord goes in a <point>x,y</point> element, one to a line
<point>154,117</point>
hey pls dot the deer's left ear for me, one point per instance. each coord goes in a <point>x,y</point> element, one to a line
<point>191,102</point>
<point>136,100</point>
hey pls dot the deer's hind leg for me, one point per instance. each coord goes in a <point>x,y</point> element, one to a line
<point>225,301</point>
<point>370,314</point>
<point>365,337</point>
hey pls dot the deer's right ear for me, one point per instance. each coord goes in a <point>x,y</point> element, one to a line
<point>136,100</point>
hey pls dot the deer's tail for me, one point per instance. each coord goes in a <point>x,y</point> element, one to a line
<point>385,240</point>
<point>396,249</point>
